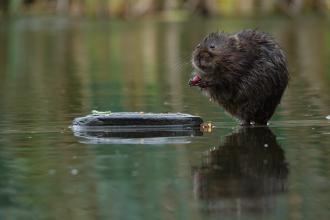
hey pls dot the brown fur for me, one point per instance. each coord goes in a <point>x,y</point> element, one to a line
<point>245,72</point>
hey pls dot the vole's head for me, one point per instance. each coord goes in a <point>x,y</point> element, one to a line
<point>217,54</point>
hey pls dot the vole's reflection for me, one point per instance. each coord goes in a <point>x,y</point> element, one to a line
<point>243,174</point>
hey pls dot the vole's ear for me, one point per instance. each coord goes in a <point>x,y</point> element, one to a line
<point>234,41</point>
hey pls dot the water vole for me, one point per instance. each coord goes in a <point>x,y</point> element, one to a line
<point>245,72</point>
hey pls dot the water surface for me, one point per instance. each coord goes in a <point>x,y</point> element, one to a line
<point>54,69</point>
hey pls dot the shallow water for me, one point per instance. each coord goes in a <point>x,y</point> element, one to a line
<point>53,70</point>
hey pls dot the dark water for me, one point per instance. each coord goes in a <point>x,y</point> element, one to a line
<point>53,70</point>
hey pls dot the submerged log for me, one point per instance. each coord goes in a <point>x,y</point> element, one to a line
<point>137,119</point>
<point>136,128</point>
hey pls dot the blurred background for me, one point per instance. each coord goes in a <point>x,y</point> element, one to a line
<point>61,59</point>
<point>130,9</point>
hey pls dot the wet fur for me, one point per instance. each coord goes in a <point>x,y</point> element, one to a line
<point>245,72</point>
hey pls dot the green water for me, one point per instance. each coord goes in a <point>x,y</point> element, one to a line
<point>53,70</point>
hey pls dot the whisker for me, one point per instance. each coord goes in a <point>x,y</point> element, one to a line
<point>181,64</point>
